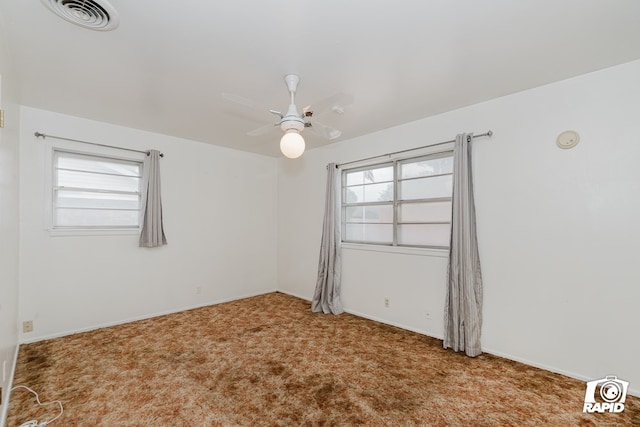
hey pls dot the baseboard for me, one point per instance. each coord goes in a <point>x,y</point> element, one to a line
<point>7,393</point>
<point>631,391</point>
<point>293,294</point>
<point>367,316</point>
<point>397,325</point>
<point>144,317</point>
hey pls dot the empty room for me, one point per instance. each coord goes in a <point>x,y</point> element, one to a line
<point>284,213</point>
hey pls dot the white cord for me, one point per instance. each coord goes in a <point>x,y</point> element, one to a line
<point>44,423</point>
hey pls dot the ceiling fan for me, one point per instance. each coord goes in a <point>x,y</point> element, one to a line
<point>293,123</point>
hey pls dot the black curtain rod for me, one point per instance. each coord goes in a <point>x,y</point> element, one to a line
<point>44,135</point>
<point>488,133</point>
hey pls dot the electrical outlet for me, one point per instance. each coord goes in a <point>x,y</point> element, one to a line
<point>198,289</point>
<point>428,315</point>
<point>386,302</point>
<point>27,326</point>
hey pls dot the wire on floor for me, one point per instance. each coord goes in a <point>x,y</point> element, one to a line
<point>34,423</point>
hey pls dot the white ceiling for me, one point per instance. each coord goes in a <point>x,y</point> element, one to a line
<point>166,65</point>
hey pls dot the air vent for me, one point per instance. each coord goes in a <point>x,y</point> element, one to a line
<point>96,15</point>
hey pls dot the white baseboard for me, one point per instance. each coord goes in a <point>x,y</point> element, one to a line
<point>144,317</point>
<point>397,325</point>
<point>293,295</point>
<point>7,392</point>
<point>367,316</point>
<point>631,391</point>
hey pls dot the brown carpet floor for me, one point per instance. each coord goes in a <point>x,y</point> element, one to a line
<point>268,361</point>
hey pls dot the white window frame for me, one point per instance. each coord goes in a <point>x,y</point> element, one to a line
<point>50,186</point>
<point>394,246</point>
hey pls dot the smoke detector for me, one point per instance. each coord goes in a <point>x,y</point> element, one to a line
<point>96,15</point>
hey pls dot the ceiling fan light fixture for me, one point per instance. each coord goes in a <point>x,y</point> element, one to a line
<point>292,144</point>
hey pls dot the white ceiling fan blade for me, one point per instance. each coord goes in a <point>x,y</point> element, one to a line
<point>241,100</point>
<point>337,101</point>
<point>325,131</point>
<point>262,130</point>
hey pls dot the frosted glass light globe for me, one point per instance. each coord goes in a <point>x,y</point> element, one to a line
<point>292,144</point>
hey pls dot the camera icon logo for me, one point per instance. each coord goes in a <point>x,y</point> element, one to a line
<point>612,393</point>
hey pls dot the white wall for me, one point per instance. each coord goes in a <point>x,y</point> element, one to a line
<point>9,224</point>
<point>220,220</point>
<point>558,229</point>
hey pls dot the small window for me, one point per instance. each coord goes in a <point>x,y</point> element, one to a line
<point>400,203</point>
<point>367,204</point>
<point>95,192</point>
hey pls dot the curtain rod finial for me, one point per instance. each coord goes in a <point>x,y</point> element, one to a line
<point>38,135</point>
<point>490,133</point>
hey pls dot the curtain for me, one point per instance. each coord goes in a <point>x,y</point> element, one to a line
<point>327,294</point>
<point>152,234</point>
<point>463,306</point>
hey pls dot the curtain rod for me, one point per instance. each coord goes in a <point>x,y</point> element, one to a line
<point>488,133</point>
<point>44,136</point>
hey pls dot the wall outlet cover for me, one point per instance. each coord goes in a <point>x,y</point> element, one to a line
<point>27,326</point>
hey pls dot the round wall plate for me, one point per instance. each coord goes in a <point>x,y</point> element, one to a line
<point>568,139</point>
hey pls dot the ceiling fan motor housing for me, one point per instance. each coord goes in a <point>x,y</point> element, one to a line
<point>292,121</point>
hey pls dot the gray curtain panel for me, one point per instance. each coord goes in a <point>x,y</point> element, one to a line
<point>327,294</point>
<point>463,306</point>
<point>152,234</point>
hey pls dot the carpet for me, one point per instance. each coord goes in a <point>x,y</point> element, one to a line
<point>269,361</point>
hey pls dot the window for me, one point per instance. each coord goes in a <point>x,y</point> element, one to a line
<point>95,192</point>
<point>399,203</point>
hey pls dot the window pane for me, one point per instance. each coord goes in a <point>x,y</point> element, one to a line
<point>355,178</point>
<point>425,188</point>
<point>97,164</point>
<point>376,213</point>
<point>83,199</point>
<point>426,167</point>
<point>374,233</point>
<point>424,212</point>
<point>369,193</point>
<point>378,192</point>
<point>353,194</point>
<point>97,181</point>
<point>65,217</point>
<point>424,235</point>
<point>384,174</point>
<point>370,176</point>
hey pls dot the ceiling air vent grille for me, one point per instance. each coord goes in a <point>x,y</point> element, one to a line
<point>92,14</point>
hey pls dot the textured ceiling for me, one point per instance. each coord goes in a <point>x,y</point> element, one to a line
<point>166,66</point>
